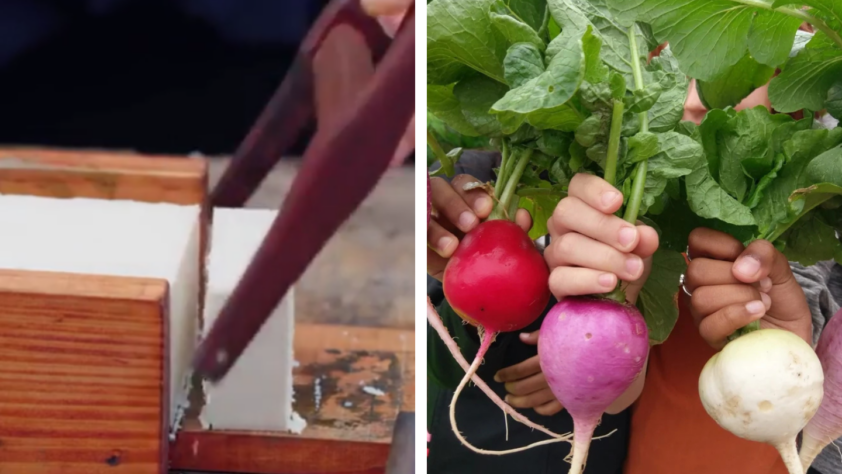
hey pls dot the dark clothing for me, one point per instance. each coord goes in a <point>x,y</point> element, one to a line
<point>479,420</point>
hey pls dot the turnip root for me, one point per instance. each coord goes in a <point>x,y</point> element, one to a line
<point>826,426</point>
<point>591,350</point>
<point>764,386</point>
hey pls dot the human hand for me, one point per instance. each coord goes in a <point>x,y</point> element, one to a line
<point>455,213</point>
<point>526,385</point>
<point>591,248</point>
<point>733,285</point>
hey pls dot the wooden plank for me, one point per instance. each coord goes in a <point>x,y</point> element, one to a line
<point>256,453</point>
<point>83,374</point>
<point>103,175</point>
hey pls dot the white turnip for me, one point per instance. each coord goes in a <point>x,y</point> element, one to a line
<point>591,350</point>
<point>826,425</point>
<point>764,386</point>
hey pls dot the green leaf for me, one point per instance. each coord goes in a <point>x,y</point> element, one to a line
<point>807,77</point>
<point>829,10</point>
<point>529,11</point>
<point>833,104</point>
<point>826,168</point>
<point>810,241</point>
<point>689,129</point>
<point>552,88</point>
<point>658,300</point>
<point>707,199</point>
<point>642,146</point>
<point>593,129</point>
<point>575,16</point>
<point>714,121</point>
<point>709,36</point>
<point>541,209</point>
<point>443,104</point>
<point>677,221</point>
<point>512,28</point>
<point>642,100</point>
<point>554,143</point>
<point>460,33</point>
<point>679,156</point>
<point>578,154</point>
<point>772,28</point>
<point>669,108</point>
<point>757,193</point>
<point>523,62</point>
<point>558,172</point>
<point>802,148</point>
<point>476,94</point>
<point>735,84</point>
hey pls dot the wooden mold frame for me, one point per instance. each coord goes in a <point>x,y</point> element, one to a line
<point>350,382</point>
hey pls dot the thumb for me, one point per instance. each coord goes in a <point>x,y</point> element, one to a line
<point>762,260</point>
<point>530,338</point>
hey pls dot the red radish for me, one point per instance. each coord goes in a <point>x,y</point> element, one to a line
<point>497,279</point>
<point>591,350</point>
<point>826,424</point>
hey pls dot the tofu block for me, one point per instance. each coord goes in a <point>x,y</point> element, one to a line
<point>117,238</point>
<point>257,392</point>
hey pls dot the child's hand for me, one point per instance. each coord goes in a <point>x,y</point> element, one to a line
<point>457,212</point>
<point>526,386</point>
<point>732,286</point>
<point>591,247</point>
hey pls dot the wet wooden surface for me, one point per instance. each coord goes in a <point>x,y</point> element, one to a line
<point>82,374</point>
<point>350,384</point>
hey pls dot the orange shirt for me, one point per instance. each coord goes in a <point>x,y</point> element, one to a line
<point>670,431</point>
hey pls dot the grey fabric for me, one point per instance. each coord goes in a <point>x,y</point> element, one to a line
<point>822,284</point>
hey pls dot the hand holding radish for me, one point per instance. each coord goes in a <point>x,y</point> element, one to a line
<point>457,212</point>
<point>591,248</point>
<point>766,384</point>
<point>733,286</point>
<point>526,384</point>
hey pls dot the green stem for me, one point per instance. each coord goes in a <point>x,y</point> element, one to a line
<point>614,142</point>
<point>499,186</point>
<point>797,13</point>
<point>501,210</point>
<point>638,183</point>
<point>446,162</point>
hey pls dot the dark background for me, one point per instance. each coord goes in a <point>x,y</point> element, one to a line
<point>152,76</point>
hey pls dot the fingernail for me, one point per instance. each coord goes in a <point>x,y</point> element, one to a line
<point>767,300</point>
<point>482,205</point>
<point>524,336</point>
<point>755,307</point>
<point>508,399</point>
<point>633,265</point>
<point>444,243</point>
<point>610,197</point>
<point>467,220</point>
<point>747,266</point>
<point>497,378</point>
<point>627,235</point>
<point>606,280</point>
<point>765,284</point>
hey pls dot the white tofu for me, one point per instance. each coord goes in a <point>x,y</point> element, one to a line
<point>118,238</point>
<point>257,392</point>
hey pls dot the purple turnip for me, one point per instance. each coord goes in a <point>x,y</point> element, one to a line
<point>591,350</point>
<point>826,424</point>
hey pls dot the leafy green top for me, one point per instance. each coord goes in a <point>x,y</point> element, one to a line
<point>564,87</point>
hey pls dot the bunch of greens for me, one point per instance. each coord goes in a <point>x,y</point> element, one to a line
<point>561,87</point>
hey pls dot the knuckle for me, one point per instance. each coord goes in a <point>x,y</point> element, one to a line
<point>694,272</point>
<point>565,245</point>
